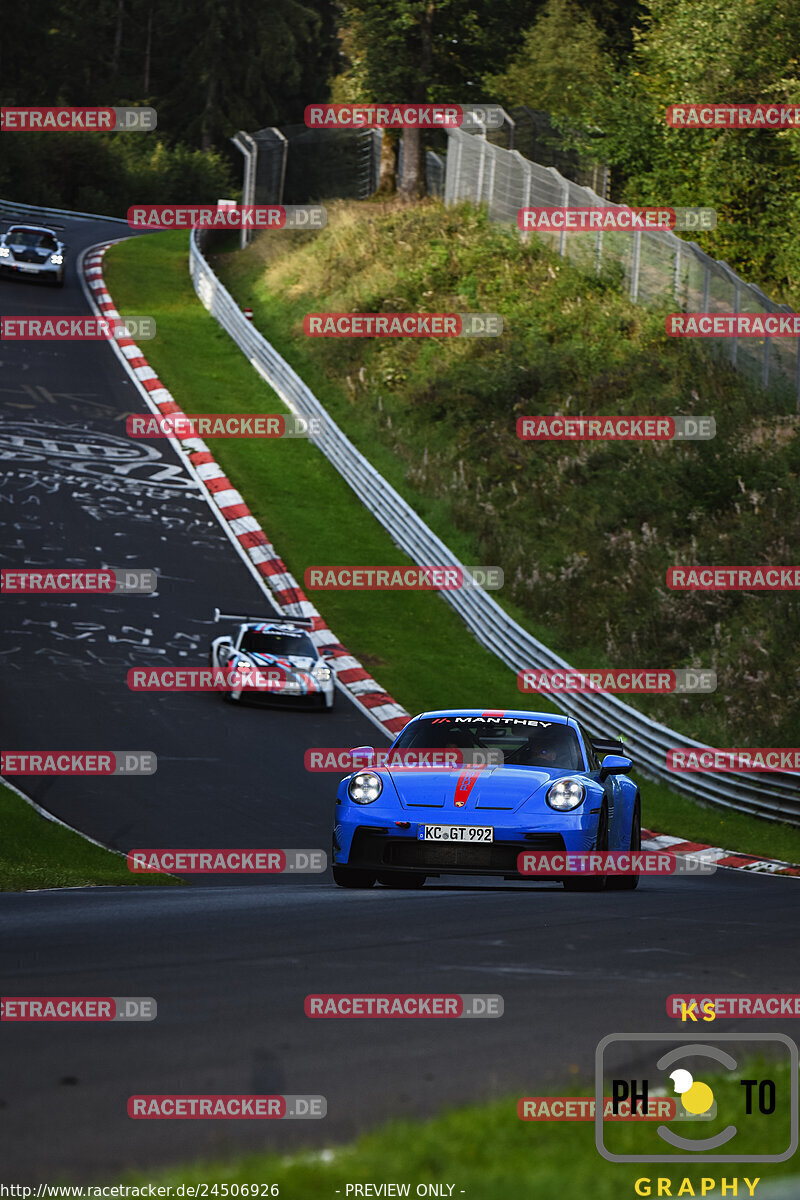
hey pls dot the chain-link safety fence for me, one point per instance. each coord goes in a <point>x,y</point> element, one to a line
<point>654,267</point>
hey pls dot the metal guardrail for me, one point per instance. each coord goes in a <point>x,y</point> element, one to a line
<point>12,211</point>
<point>775,796</point>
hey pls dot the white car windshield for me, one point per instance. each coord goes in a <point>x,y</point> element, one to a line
<point>31,239</point>
<point>284,643</point>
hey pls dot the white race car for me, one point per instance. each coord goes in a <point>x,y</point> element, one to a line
<point>33,252</point>
<point>280,648</point>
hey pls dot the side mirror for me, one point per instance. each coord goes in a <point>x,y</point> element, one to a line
<point>614,764</point>
<point>367,753</point>
<point>326,652</point>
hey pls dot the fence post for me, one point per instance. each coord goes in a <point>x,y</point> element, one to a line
<point>676,273</point>
<point>491,150</point>
<point>480,169</point>
<point>248,148</point>
<point>452,179</point>
<point>562,237</point>
<point>637,250</point>
<point>736,302</point>
<point>706,289</point>
<point>526,198</point>
<point>284,157</point>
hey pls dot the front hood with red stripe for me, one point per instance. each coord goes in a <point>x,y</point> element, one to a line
<point>500,788</point>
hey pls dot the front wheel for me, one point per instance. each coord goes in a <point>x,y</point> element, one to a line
<point>627,883</point>
<point>351,877</point>
<point>592,883</point>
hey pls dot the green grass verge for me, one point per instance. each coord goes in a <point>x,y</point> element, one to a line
<point>585,531</point>
<point>412,642</point>
<point>487,1151</point>
<point>37,853</point>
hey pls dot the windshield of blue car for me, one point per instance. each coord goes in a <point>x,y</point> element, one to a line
<point>31,239</point>
<point>522,744</point>
<point>282,644</point>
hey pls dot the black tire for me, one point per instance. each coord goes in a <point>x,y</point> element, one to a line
<point>397,879</point>
<point>592,883</point>
<point>351,877</point>
<point>628,883</point>
<point>59,281</point>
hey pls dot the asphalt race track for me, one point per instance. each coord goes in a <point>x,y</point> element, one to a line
<point>231,963</point>
<point>101,497</point>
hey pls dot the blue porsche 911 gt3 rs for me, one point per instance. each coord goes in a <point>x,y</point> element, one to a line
<point>555,790</point>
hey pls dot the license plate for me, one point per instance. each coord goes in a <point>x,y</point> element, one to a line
<point>456,833</point>
<point>21,268</point>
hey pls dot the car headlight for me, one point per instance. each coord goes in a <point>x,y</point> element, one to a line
<point>5,252</point>
<point>322,673</point>
<point>565,794</point>
<point>57,259</point>
<point>365,787</point>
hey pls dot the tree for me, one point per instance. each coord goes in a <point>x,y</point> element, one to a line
<point>716,51</point>
<point>562,67</point>
<point>425,50</point>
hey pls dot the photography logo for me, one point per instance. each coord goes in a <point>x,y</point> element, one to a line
<point>692,1068</point>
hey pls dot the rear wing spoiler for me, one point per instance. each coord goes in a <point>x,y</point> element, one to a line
<point>272,619</point>
<point>609,746</point>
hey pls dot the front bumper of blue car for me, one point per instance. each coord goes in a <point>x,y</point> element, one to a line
<point>368,843</point>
